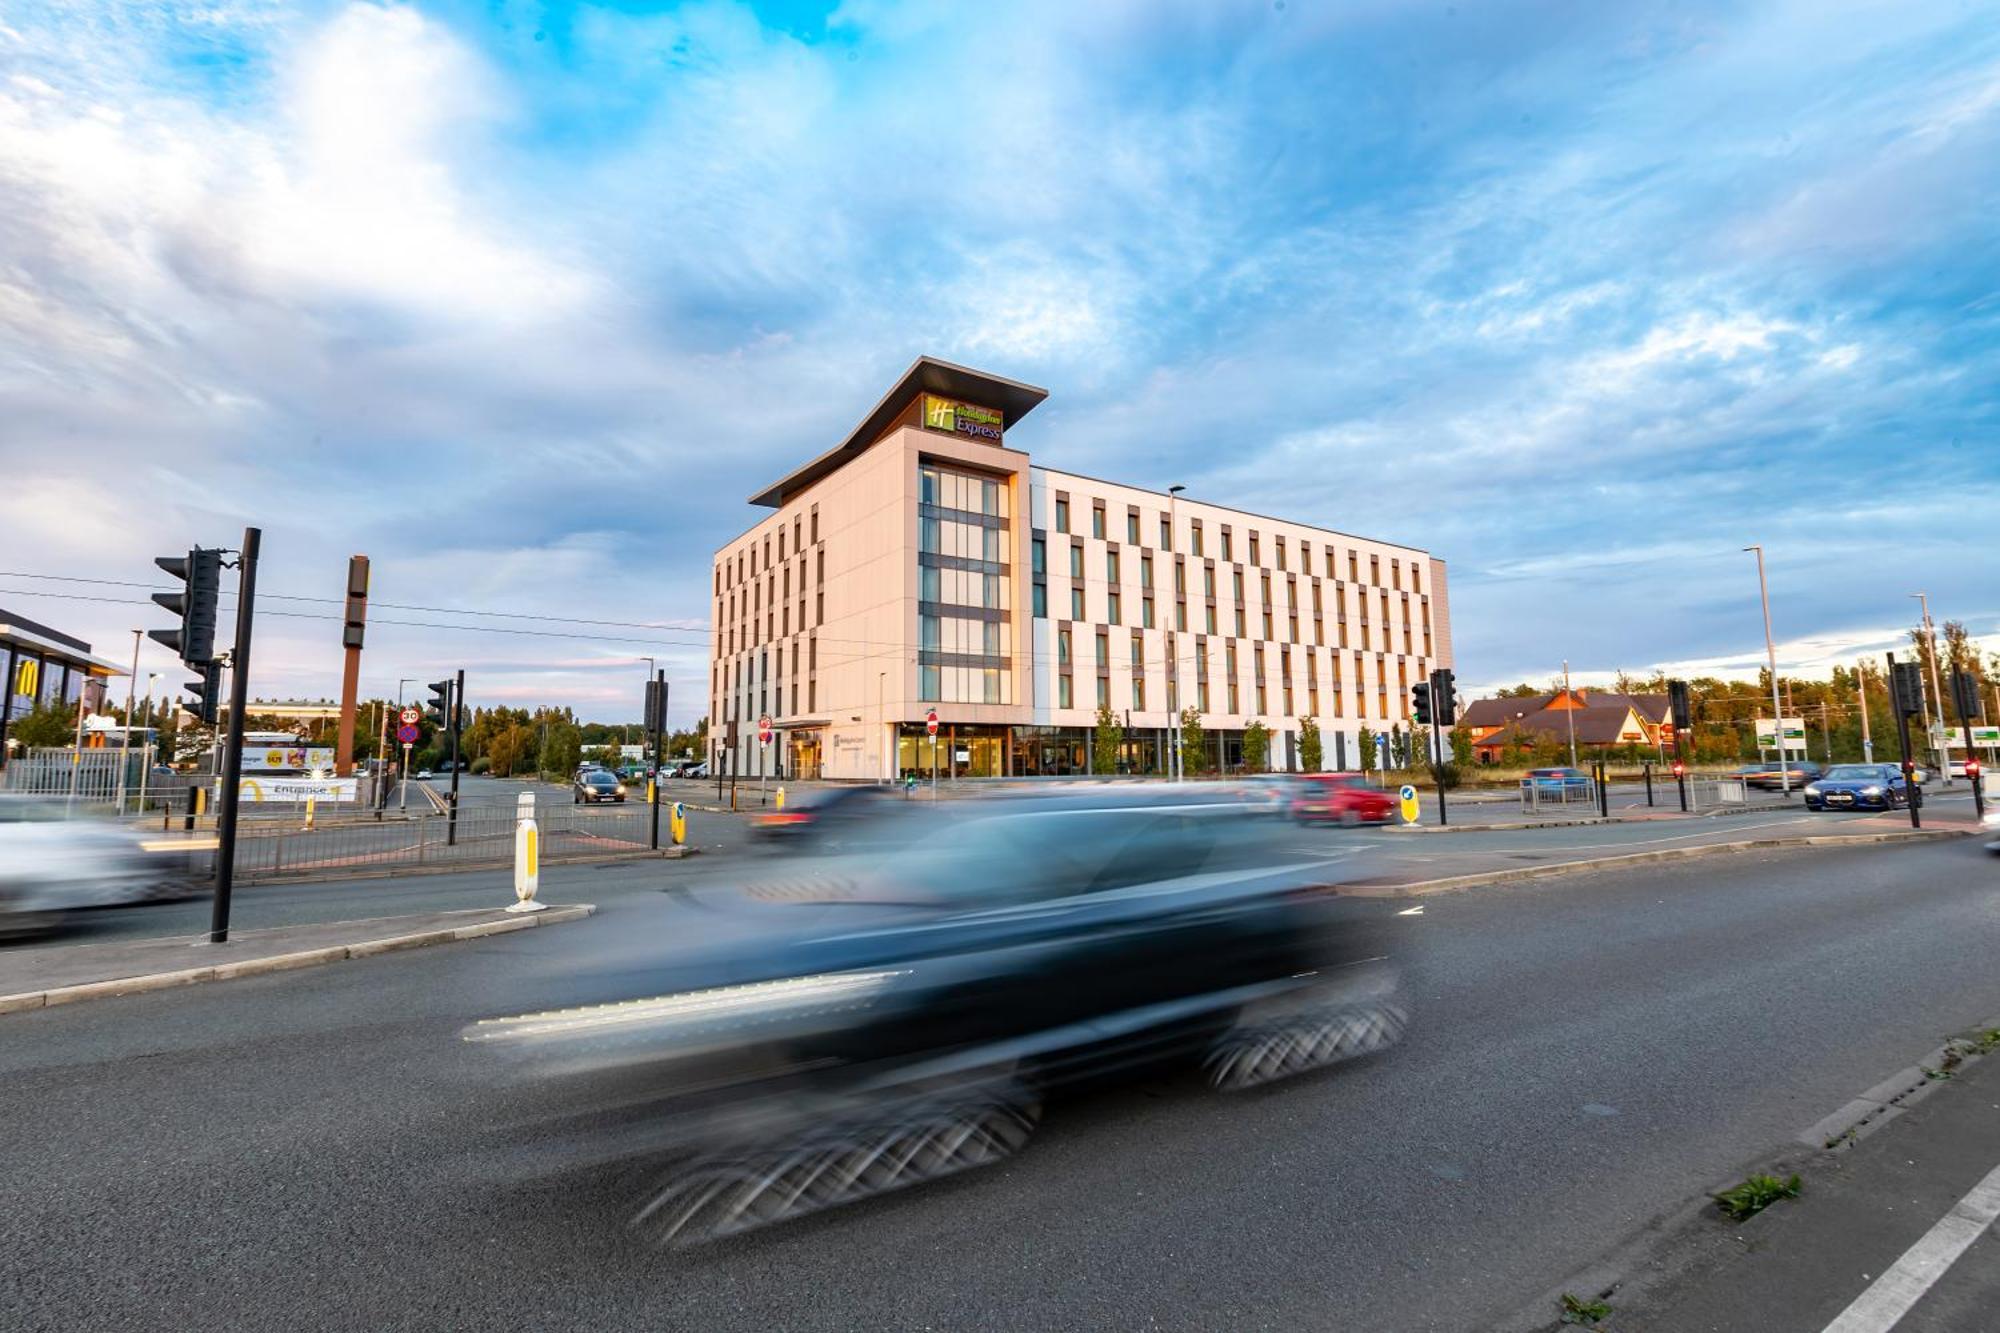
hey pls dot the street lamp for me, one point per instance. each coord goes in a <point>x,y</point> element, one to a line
<point>882,722</point>
<point>1176,761</point>
<point>1569,713</point>
<point>1771,656</point>
<point>1937,695</point>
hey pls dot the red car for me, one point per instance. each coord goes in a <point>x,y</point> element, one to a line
<point>1346,798</point>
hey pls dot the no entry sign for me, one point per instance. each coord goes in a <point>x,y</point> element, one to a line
<point>764,730</point>
<point>930,723</point>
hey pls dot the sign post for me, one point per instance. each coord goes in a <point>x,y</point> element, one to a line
<point>1906,692</point>
<point>763,758</point>
<point>931,730</point>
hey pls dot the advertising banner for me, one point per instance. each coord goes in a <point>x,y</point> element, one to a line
<point>296,790</point>
<point>286,758</point>
<point>1795,734</point>
<point>945,414</point>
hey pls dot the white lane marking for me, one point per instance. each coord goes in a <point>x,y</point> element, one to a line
<point>1647,842</point>
<point>1890,1296</point>
<point>1411,911</point>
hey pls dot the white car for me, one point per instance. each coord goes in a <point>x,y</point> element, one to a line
<point>1991,827</point>
<point>53,864</point>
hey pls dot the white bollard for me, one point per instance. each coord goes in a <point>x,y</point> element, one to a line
<point>527,856</point>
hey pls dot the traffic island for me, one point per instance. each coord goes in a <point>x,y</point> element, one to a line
<point>44,977</point>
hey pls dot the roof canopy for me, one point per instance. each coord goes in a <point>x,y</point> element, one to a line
<point>926,374</point>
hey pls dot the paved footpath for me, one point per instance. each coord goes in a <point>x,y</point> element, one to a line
<point>1896,1232</point>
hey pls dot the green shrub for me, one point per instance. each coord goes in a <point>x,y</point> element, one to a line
<point>1756,1194</point>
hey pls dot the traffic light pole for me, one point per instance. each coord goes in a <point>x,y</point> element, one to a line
<point>232,756</point>
<point>1437,771</point>
<point>457,710</point>
<point>657,722</point>
<point>1911,795</point>
<point>1959,693</point>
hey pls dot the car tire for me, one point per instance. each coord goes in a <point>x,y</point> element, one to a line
<point>1350,818</point>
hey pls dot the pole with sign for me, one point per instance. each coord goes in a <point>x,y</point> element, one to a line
<point>763,758</point>
<point>931,730</point>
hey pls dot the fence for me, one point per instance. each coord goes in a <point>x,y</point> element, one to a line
<point>1559,796</point>
<point>109,776</point>
<point>359,842</point>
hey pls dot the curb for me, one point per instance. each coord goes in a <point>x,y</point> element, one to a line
<point>1420,887</point>
<point>286,962</point>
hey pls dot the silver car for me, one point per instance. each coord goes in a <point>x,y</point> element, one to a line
<point>54,861</point>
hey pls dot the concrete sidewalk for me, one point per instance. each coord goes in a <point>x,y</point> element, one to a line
<point>39,978</point>
<point>1895,1231</point>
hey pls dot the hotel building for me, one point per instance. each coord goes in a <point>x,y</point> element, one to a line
<point>926,563</point>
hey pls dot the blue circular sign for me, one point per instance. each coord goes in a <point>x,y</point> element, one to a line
<point>407,734</point>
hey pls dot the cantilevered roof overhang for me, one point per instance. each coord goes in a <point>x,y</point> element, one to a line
<point>926,374</point>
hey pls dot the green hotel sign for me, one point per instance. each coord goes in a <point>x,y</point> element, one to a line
<point>956,418</point>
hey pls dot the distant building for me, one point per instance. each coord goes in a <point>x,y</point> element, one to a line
<point>1602,719</point>
<point>46,666</point>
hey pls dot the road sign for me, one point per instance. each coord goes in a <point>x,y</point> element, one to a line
<point>407,733</point>
<point>930,723</point>
<point>409,717</point>
<point>1406,797</point>
<point>764,730</point>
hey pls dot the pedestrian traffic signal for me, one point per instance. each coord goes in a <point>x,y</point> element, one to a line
<point>1444,696</point>
<point>1420,704</point>
<point>1972,769</point>
<point>1680,769</point>
<point>1906,687</point>
<point>200,573</point>
<point>206,689</point>
<point>1965,694</point>
<point>438,710</point>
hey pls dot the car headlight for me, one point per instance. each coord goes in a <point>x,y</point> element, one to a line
<point>1871,791</point>
<point>1812,789</point>
<point>621,789</point>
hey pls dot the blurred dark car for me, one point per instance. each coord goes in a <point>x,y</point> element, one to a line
<point>1557,780</point>
<point>863,1021</point>
<point>1341,798</point>
<point>597,785</point>
<point>1859,787</point>
<point>1775,776</point>
<point>829,817</point>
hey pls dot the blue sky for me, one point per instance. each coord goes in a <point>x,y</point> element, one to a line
<point>523,300</point>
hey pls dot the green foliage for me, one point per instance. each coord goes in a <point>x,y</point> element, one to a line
<point>1366,743</point>
<point>50,723</point>
<point>1399,747</point>
<point>1310,752</point>
<point>562,750</point>
<point>512,750</point>
<point>1194,741</point>
<point>1106,741</point>
<point>1756,1194</point>
<point>1447,775</point>
<point>1256,748</point>
<point>1461,748</point>
<point>482,765</point>
<point>1577,1310</point>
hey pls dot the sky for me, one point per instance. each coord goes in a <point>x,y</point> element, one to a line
<point>523,300</point>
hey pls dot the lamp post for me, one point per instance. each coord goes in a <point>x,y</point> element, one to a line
<point>882,723</point>
<point>402,777</point>
<point>1771,656</point>
<point>1569,713</point>
<point>1937,696</point>
<point>1176,762</point>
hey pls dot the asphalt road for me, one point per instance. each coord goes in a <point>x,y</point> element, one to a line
<point>317,1148</point>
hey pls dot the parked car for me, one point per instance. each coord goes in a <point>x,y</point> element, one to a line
<point>694,771</point>
<point>1344,798</point>
<point>594,786</point>
<point>1858,787</point>
<point>1776,776</point>
<point>633,773</point>
<point>1553,780</point>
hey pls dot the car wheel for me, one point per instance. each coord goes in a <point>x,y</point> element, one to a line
<point>1350,817</point>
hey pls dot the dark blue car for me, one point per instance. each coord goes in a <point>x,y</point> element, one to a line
<point>1858,787</point>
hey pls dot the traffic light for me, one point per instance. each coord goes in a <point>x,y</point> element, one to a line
<point>206,690</point>
<point>1965,694</point>
<point>200,573</point>
<point>1444,696</point>
<point>1679,707</point>
<point>438,710</point>
<point>1972,769</point>
<point>1906,686</point>
<point>1680,769</point>
<point>1420,704</point>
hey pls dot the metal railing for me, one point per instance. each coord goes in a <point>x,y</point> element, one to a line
<point>1558,796</point>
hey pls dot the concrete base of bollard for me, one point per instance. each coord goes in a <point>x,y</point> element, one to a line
<point>527,905</point>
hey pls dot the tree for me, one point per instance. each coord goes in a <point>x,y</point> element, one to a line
<point>1106,742</point>
<point>1256,747</point>
<point>562,750</point>
<point>50,723</point>
<point>1365,742</point>
<point>1399,747</point>
<point>511,749</point>
<point>1461,748</point>
<point>1194,742</point>
<point>1310,753</point>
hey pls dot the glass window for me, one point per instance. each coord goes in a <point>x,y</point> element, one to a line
<point>1097,521</point>
<point>1103,648</point>
<point>990,638</point>
<point>989,497</point>
<point>1132,528</point>
<point>1201,695</point>
<point>1253,557</point>
<point>989,544</point>
<point>1103,692</point>
<point>927,539</point>
<point>1042,600</point>
<point>1076,562</point>
<point>1039,555</point>
<point>1210,618</point>
<point>1195,536</point>
<point>928,683</point>
<point>1138,691</point>
<point>1111,566</point>
<point>1166,534</point>
<point>930,485</point>
<point>990,591</point>
<point>1146,612</point>
<point>1227,554</point>
<point>1062,515</point>
<point>1145,571</point>
<point>1208,580</point>
<point>1065,690</point>
<point>1076,604</point>
<point>930,579</point>
<point>1112,604</point>
<point>1062,647</point>
<point>928,627</point>
<point>989,680</point>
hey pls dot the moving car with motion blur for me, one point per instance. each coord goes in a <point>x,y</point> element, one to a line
<point>1775,776</point>
<point>1555,781</point>
<point>56,862</point>
<point>596,785</point>
<point>861,1020</point>
<point>1858,787</point>
<point>1341,798</point>
<point>828,818</point>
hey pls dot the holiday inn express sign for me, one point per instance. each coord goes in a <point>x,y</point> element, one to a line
<point>956,418</point>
